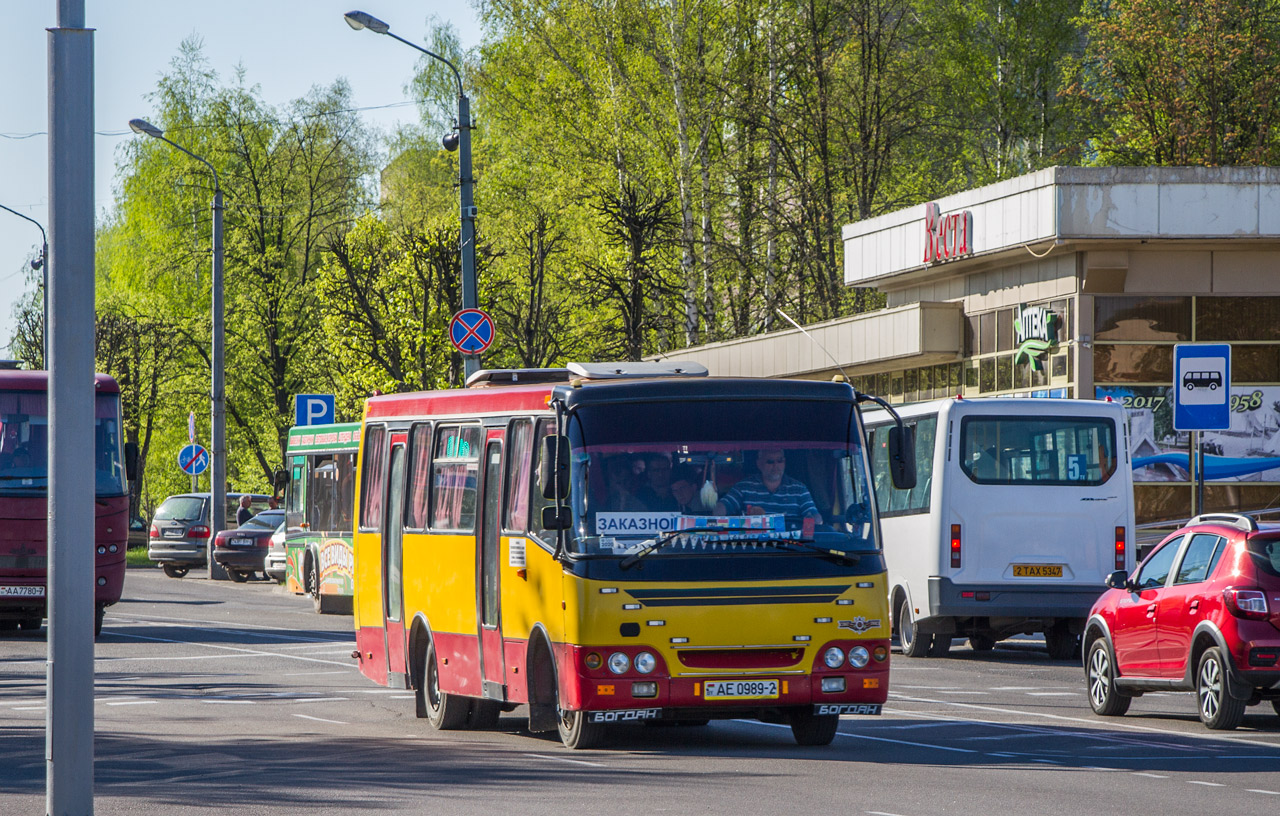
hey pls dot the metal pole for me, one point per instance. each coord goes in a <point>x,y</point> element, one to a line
<point>218,434</point>
<point>1200,471</point>
<point>69,719</point>
<point>467,210</point>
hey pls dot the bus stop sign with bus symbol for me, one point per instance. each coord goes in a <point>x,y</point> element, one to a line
<point>193,459</point>
<point>1202,387</point>
<point>471,331</point>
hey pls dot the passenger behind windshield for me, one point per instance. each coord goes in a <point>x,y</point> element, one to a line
<point>656,493</point>
<point>685,487</point>
<point>771,492</point>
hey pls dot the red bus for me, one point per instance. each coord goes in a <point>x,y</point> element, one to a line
<point>24,494</point>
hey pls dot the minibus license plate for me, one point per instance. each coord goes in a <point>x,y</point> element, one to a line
<point>740,690</point>
<point>22,591</point>
<point>1037,570</point>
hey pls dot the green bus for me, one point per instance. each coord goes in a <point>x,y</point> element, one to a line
<point>318,505</point>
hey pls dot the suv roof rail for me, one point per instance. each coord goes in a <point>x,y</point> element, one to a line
<point>1236,520</point>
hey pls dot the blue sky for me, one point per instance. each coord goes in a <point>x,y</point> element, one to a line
<point>285,46</point>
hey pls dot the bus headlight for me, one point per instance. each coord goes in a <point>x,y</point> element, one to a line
<point>645,663</point>
<point>859,656</point>
<point>619,663</point>
<point>593,661</point>
<point>833,657</point>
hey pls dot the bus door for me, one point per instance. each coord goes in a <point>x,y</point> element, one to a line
<point>392,560</point>
<point>489,591</point>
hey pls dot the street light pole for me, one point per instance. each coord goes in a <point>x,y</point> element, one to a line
<point>218,431</point>
<point>462,143</point>
<point>44,286</point>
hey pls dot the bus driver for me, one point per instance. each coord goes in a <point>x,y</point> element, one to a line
<point>773,491</point>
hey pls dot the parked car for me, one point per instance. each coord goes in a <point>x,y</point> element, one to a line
<point>138,532</point>
<point>243,551</point>
<point>276,555</point>
<point>179,532</point>
<point>1201,613</point>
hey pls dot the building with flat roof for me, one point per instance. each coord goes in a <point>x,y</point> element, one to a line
<point>1070,282</point>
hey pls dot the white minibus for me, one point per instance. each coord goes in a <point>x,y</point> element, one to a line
<point>1021,509</point>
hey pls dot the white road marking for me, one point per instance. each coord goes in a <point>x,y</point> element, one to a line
<point>402,697</point>
<point>1149,775</point>
<point>873,739</point>
<point>570,761</point>
<point>134,702</point>
<point>316,674</point>
<point>321,719</point>
<point>880,813</point>
<point>29,708</point>
<point>1092,724</point>
<point>1053,693</point>
<point>319,699</point>
<point>1267,792</point>
<point>1206,784</point>
<point>1012,688</point>
<point>232,702</point>
<point>235,650</point>
<point>949,691</point>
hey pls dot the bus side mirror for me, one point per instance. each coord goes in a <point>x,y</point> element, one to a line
<point>553,468</point>
<point>281,480</point>
<point>131,460</point>
<point>902,457</point>
<point>555,518</point>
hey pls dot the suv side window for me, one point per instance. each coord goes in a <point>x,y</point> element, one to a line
<point>1199,559</point>
<point>1155,572</point>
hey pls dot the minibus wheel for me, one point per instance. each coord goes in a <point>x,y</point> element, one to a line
<point>914,642</point>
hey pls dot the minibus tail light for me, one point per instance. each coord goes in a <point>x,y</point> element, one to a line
<point>1120,548</point>
<point>955,546</point>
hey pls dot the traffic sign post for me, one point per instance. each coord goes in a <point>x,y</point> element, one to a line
<point>1201,398</point>
<point>471,331</point>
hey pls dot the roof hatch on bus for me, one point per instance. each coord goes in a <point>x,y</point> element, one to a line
<point>635,370</point>
<point>486,377</point>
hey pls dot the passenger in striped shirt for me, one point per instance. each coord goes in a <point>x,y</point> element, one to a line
<point>773,491</point>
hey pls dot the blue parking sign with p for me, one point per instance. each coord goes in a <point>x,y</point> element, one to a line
<point>314,409</point>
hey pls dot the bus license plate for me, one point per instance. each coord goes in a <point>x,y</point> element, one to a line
<point>1037,570</point>
<point>740,690</point>
<point>22,591</point>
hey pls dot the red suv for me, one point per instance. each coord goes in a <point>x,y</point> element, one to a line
<point>1201,613</point>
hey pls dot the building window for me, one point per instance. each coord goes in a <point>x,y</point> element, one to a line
<point>1133,363</point>
<point>1229,319</point>
<point>1004,330</point>
<point>1142,318</point>
<point>1255,364</point>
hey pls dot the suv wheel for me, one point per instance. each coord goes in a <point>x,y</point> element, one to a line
<point>1104,698</point>
<point>1218,709</point>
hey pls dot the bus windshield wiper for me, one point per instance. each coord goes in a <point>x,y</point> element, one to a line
<point>662,541</point>
<point>842,555</point>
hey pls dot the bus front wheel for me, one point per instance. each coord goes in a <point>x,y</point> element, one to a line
<point>813,729</point>
<point>445,712</point>
<point>576,733</point>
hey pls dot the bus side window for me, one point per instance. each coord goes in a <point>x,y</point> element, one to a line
<point>415,515</point>
<point>545,428</point>
<point>346,466</point>
<point>295,493</point>
<point>519,470</point>
<point>455,470</point>
<point>373,473</point>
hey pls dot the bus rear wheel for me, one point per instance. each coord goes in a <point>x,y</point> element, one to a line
<point>576,733</point>
<point>813,729</point>
<point>445,712</point>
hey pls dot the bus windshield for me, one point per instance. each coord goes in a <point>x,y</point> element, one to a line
<point>24,440</point>
<point>738,476</point>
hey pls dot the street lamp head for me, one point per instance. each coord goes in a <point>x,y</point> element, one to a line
<point>450,141</point>
<point>143,126</point>
<point>359,19</point>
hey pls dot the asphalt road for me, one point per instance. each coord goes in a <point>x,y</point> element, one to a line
<point>238,698</point>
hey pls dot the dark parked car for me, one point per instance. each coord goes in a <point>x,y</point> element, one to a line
<point>243,551</point>
<point>1201,613</point>
<point>180,530</point>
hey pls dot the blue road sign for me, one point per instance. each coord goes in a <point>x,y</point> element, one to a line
<point>1201,387</point>
<point>193,459</point>
<point>313,409</point>
<point>471,331</point>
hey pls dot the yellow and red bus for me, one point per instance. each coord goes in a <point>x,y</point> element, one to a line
<point>532,540</point>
